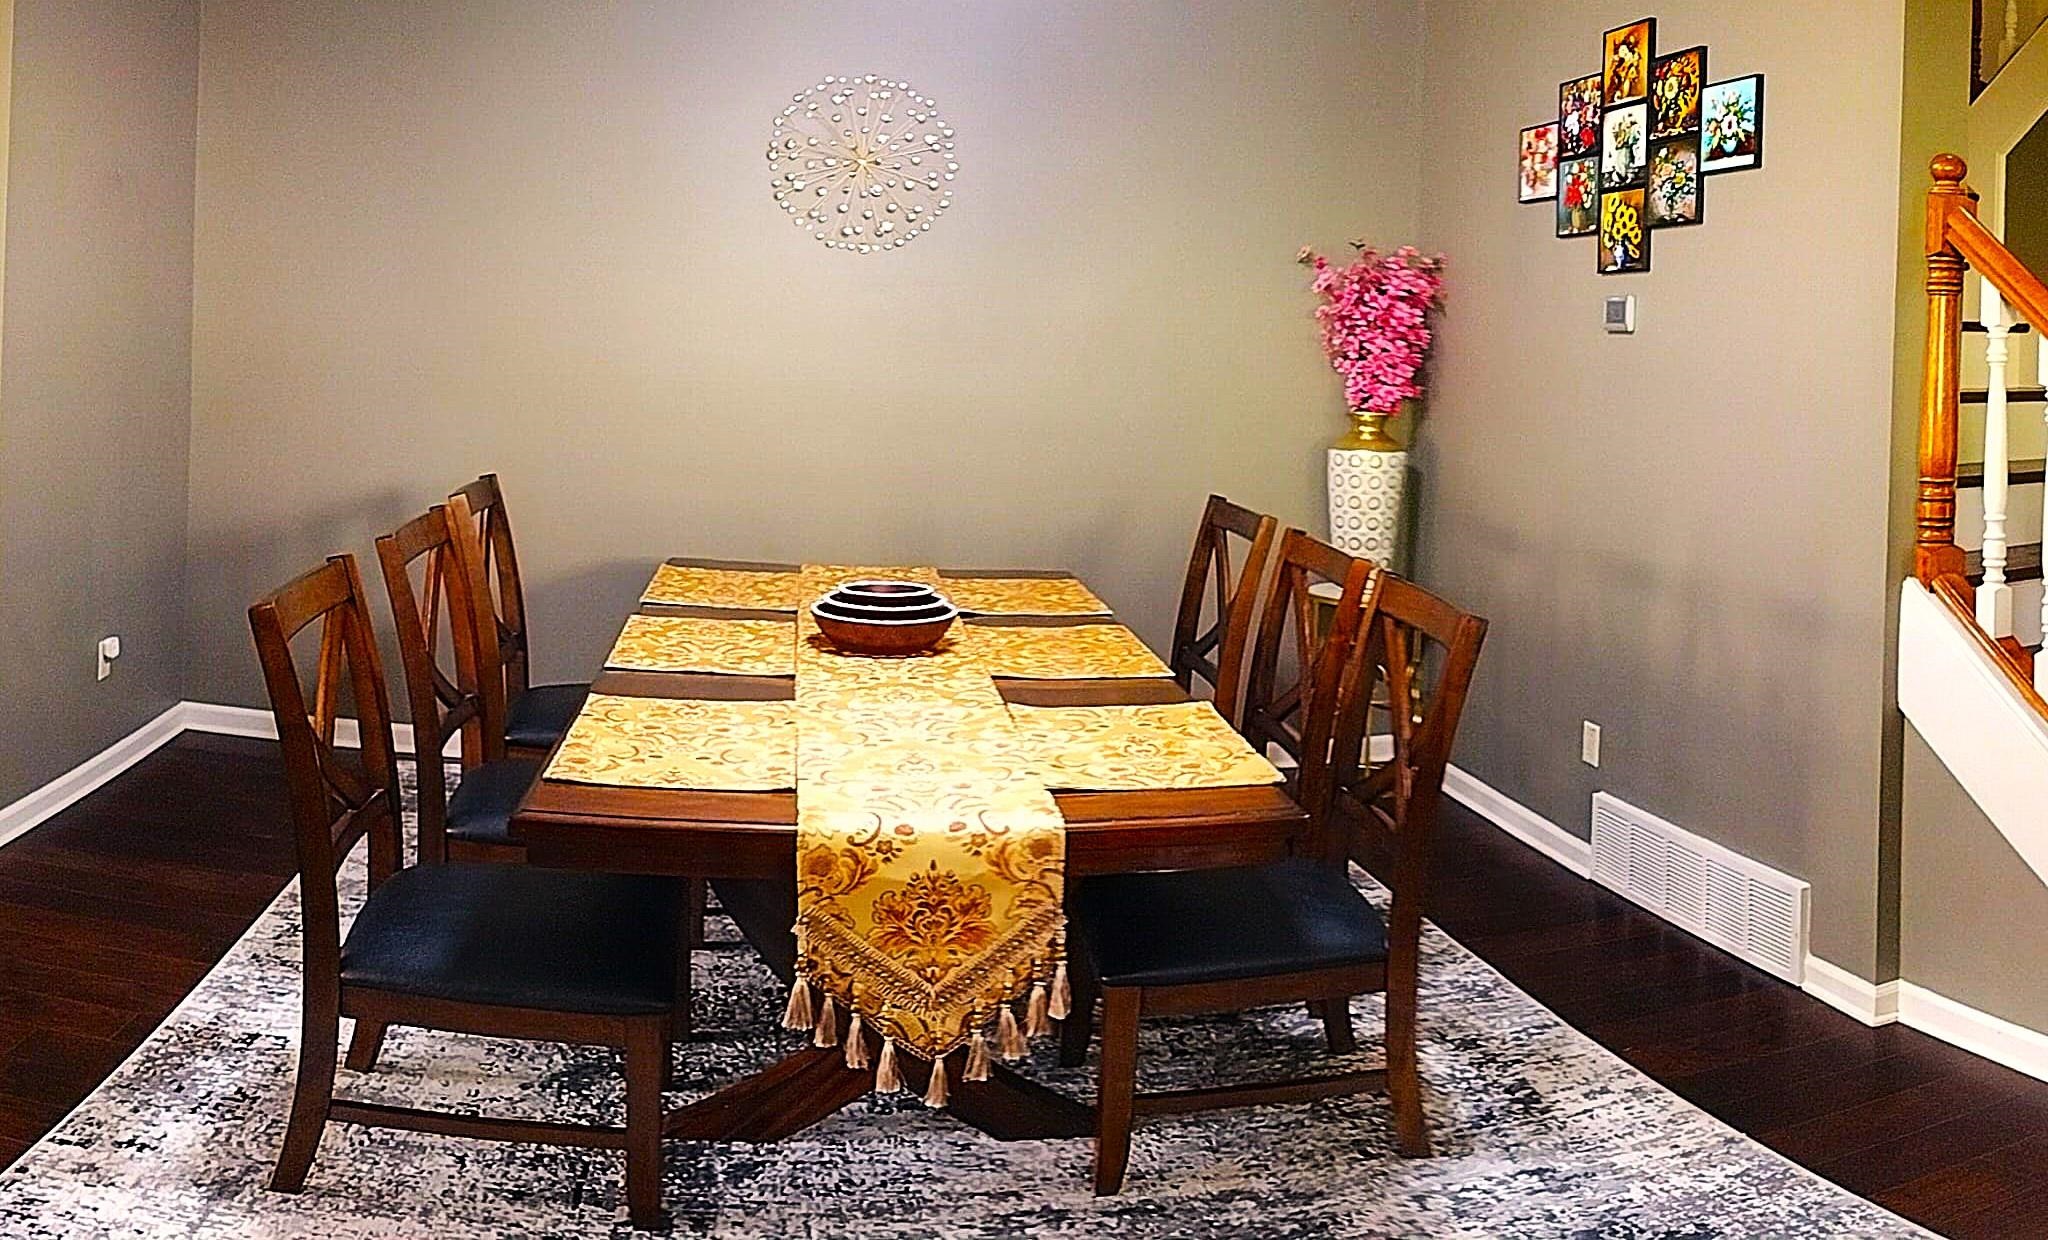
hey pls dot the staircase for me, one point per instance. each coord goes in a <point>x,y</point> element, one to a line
<point>1972,677</point>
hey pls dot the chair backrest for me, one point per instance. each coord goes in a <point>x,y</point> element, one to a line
<point>1285,659</point>
<point>335,799</point>
<point>472,699</point>
<point>1421,651</point>
<point>1236,601</point>
<point>481,505</point>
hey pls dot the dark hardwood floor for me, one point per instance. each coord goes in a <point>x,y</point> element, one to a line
<point>110,912</point>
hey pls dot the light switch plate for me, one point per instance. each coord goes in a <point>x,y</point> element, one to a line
<point>1620,314</point>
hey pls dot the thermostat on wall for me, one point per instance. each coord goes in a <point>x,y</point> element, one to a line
<point>1621,314</point>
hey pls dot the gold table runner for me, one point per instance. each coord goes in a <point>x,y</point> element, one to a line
<point>690,644</point>
<point>1023,596</point>
<point>1136,748</point>
<point>930,859</point>
<point>1064,652</point>
<point>682,743</point>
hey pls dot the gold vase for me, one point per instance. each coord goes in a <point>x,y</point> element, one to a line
<point>1368,433</point>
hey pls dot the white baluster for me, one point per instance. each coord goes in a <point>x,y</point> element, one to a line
<point>1994,596</point>
<point>2011,42</point>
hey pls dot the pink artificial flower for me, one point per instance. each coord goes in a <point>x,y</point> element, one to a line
<point>1374,320</point>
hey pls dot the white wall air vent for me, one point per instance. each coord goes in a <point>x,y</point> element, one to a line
<point>1724,897</point>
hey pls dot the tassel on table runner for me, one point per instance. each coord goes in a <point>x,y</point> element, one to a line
<point>935,1093</point>
<point>798,1014</point>
<point>826,1032</point>
<point>978,1066</point>
<point>1062,994</point>
<point>1010,1043</point>
<point>1036,1024</point>
<point>887,1079</point>
<point>856,1044</point>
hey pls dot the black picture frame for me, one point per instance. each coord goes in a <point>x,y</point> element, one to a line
<point>1521,140</point>
<point>1699,49</point>
<point>1684,142</point>
<point>1573,150</point>
<point>1644,231</point>
<point>1608,87</point>
<point>1591,227</point>
<point>1610,120</point>
<point>1743,163</point>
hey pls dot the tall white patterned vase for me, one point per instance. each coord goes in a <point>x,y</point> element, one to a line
<point>1368,479</point>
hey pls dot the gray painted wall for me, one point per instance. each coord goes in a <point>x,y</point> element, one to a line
<point>95,398</point>
<point>1679,534</point>
<point>437,238</point>
<point>1975,924</point>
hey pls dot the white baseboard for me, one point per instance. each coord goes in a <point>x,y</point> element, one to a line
<point>262,725</point>
<point>1520,821</point>
<point>1873,1003</point>
<point>48,800</point>
<point>1999,1040</point>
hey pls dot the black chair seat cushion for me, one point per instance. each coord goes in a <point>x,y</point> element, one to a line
<point>480,808</point>
<point>542,713</point>
<point>520,936</point>
<point>1192,926</point>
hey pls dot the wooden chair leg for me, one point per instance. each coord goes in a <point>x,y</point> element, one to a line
<point>690,938</point>
<point>1404,1085</point>
<point>320,1030</point>
<point>1337,1025</point>
<point>1079,1025</point>
<point>1116,1089</point>
<point>647,1051</point>
<point>365,1044</point>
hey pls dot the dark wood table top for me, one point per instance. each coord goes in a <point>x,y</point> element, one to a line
<point>753,834</point>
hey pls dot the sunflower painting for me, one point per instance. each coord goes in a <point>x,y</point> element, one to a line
<point>1578,197</point>
<point>1674,196</point>
<point>1578,116</point>
<point>1675,92</point>
<point>1624,237</point>
<point>1625,61</point>
<point>1732,124</point>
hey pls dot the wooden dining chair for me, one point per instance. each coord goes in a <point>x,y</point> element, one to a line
<point>1216,654</point>
<point>1183,943</point>
<point>474,822</point>
<point>536,716</point>
<point>492,950</point>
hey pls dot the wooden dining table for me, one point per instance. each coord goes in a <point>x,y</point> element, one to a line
<point>752,836</point>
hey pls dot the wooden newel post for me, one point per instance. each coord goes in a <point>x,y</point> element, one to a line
<point>1935,552</point>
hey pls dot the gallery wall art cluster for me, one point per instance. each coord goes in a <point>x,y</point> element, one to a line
<point>1632,144</point>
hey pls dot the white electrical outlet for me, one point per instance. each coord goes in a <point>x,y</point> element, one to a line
<point>1589,743</point>
<point>109,650</point>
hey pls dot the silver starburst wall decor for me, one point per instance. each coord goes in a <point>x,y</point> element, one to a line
<point>863,164</point>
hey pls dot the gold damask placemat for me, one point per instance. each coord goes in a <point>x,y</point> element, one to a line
<point>1062,652</point>
<point>680,743</point>
<point>1023,596</point>
<point>690,644</point>
<point>678,585</point>
<point>1138,748</point>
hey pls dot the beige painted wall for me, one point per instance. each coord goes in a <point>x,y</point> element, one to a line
<point>94,400</point>
<point>437,238</point>
<point>1975,925</point>
<point>1678,534</point>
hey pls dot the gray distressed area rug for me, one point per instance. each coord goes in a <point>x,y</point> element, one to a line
<point>1539,1133</point>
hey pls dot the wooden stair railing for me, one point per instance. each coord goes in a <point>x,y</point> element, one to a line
<point>1956,240</point>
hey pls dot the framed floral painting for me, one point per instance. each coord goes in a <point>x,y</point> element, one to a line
<point>1675,82</point>
<point>1624,146</point>
<point>1625,53</point>
<point>1578,117</point>
<point>1538,163</point>
<point>1624,238</point>
<point>1674,192</point>
<point>1732,125</point>
<point>1578,196</point>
